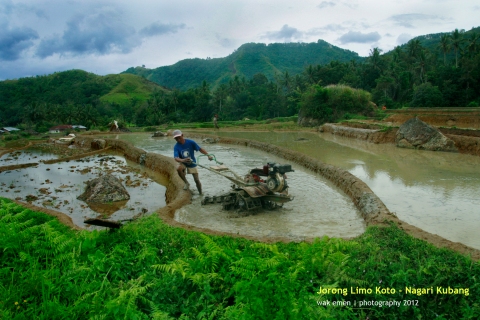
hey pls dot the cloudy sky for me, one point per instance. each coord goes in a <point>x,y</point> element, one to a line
<point>39,37</point>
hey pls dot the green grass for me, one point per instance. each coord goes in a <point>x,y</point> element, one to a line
<point>149,270</point>
<point>129,87</point>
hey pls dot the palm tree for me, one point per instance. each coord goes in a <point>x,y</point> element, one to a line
<point>445,47</point>
<point>54,113</point>
<point>310,74</point>
<point>174,98</point>
<point>287,81</point>
<point>421,64</point>
<point>375,59</point>
<point>413,48</point>
<point>220,95</point>
<point>457,40</point>
<point>472,45</point>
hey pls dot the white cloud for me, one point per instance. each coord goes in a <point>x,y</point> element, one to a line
<point>359,37</point>
<point>286,34</point>
<point>403,38</point>
<point>326,4</point>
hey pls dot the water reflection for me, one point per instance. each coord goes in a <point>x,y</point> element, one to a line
<point>56,186</point>
<point>319,208</point>
<point>436,191</point>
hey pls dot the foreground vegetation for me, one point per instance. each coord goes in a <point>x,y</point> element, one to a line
<point>148,270</point>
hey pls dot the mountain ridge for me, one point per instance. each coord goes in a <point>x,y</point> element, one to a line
<point>247,60</point>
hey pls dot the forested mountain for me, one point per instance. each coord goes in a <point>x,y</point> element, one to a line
<point>70,96</point>
<point>248,60</point>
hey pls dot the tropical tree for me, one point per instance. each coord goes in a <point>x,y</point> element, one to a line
<point>473,46</point>
<point>444,46</point>
<point>375,59</point>
<point>426,95</point>
<point>457,40</point>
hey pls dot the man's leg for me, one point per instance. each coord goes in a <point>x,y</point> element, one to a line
<point>197,182</point>
<point>181,172</point>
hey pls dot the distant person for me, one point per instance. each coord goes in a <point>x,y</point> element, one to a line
<point>184,154</point>
<point>215,121</point>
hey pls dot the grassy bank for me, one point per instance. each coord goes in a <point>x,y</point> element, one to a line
<point>148,269</point>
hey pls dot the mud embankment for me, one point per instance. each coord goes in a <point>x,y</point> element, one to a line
<point>459,118</point>
<point>467,141</point>
<point>356,132</point>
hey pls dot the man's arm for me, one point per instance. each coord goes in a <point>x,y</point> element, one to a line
<point>206,153</point>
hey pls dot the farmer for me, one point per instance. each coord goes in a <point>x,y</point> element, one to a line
<point>215,121</point>
<point>184,154</point>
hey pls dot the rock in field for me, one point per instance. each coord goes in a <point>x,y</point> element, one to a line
<point>104,189</point>
<point>416,134</point>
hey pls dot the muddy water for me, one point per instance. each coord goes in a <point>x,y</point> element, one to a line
<point>56,186</point>
<point>319,208</point>
<point>436,191</point>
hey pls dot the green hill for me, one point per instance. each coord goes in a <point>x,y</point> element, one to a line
<point>432,41</point>
<point>247,60</point>
<point>73,87</point>
<point>77,87</point>
<point>128,87</point>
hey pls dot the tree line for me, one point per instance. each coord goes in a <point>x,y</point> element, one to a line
<point>446,74</point>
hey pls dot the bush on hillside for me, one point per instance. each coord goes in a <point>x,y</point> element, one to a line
<point>426,96</point>
<point>331,103</point>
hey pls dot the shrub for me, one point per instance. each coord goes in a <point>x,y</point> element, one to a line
<point>427,96</point>
<point>473,104</point>
<point>24,134</point>
<point>331,103</point>
<point>10,137</point>
<point>150,129</point>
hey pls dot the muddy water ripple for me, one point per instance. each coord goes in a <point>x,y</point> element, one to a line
<point>319,207</point>
<point>438,192</point>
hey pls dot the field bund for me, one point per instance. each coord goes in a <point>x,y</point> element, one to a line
<point>371,207</point>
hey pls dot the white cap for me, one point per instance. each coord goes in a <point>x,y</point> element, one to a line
<point>177,133</point>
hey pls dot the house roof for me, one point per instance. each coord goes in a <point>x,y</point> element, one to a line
<point>10,129</point>
<point>78,126</point>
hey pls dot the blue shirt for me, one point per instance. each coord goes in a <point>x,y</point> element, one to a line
<point>186,150</point>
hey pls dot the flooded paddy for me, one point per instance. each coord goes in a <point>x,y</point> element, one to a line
<point>318,209</point>
<point>57,186</point>
<point>438,192</point>
<point>435,191</point>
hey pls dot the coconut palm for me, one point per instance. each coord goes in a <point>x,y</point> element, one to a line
<point>445,47</point>
<point>472,46</point>
<point>457,40</point>
<point>414,47</point>
<point>375,59</point>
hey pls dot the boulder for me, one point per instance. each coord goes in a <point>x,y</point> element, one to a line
<point>416,134</point>
<point>104,189</point>
<point>159,134</point>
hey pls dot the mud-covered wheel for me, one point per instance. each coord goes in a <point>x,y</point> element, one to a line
<point>269,205</point>
<point>229,202</point>
<point>205,200</point>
